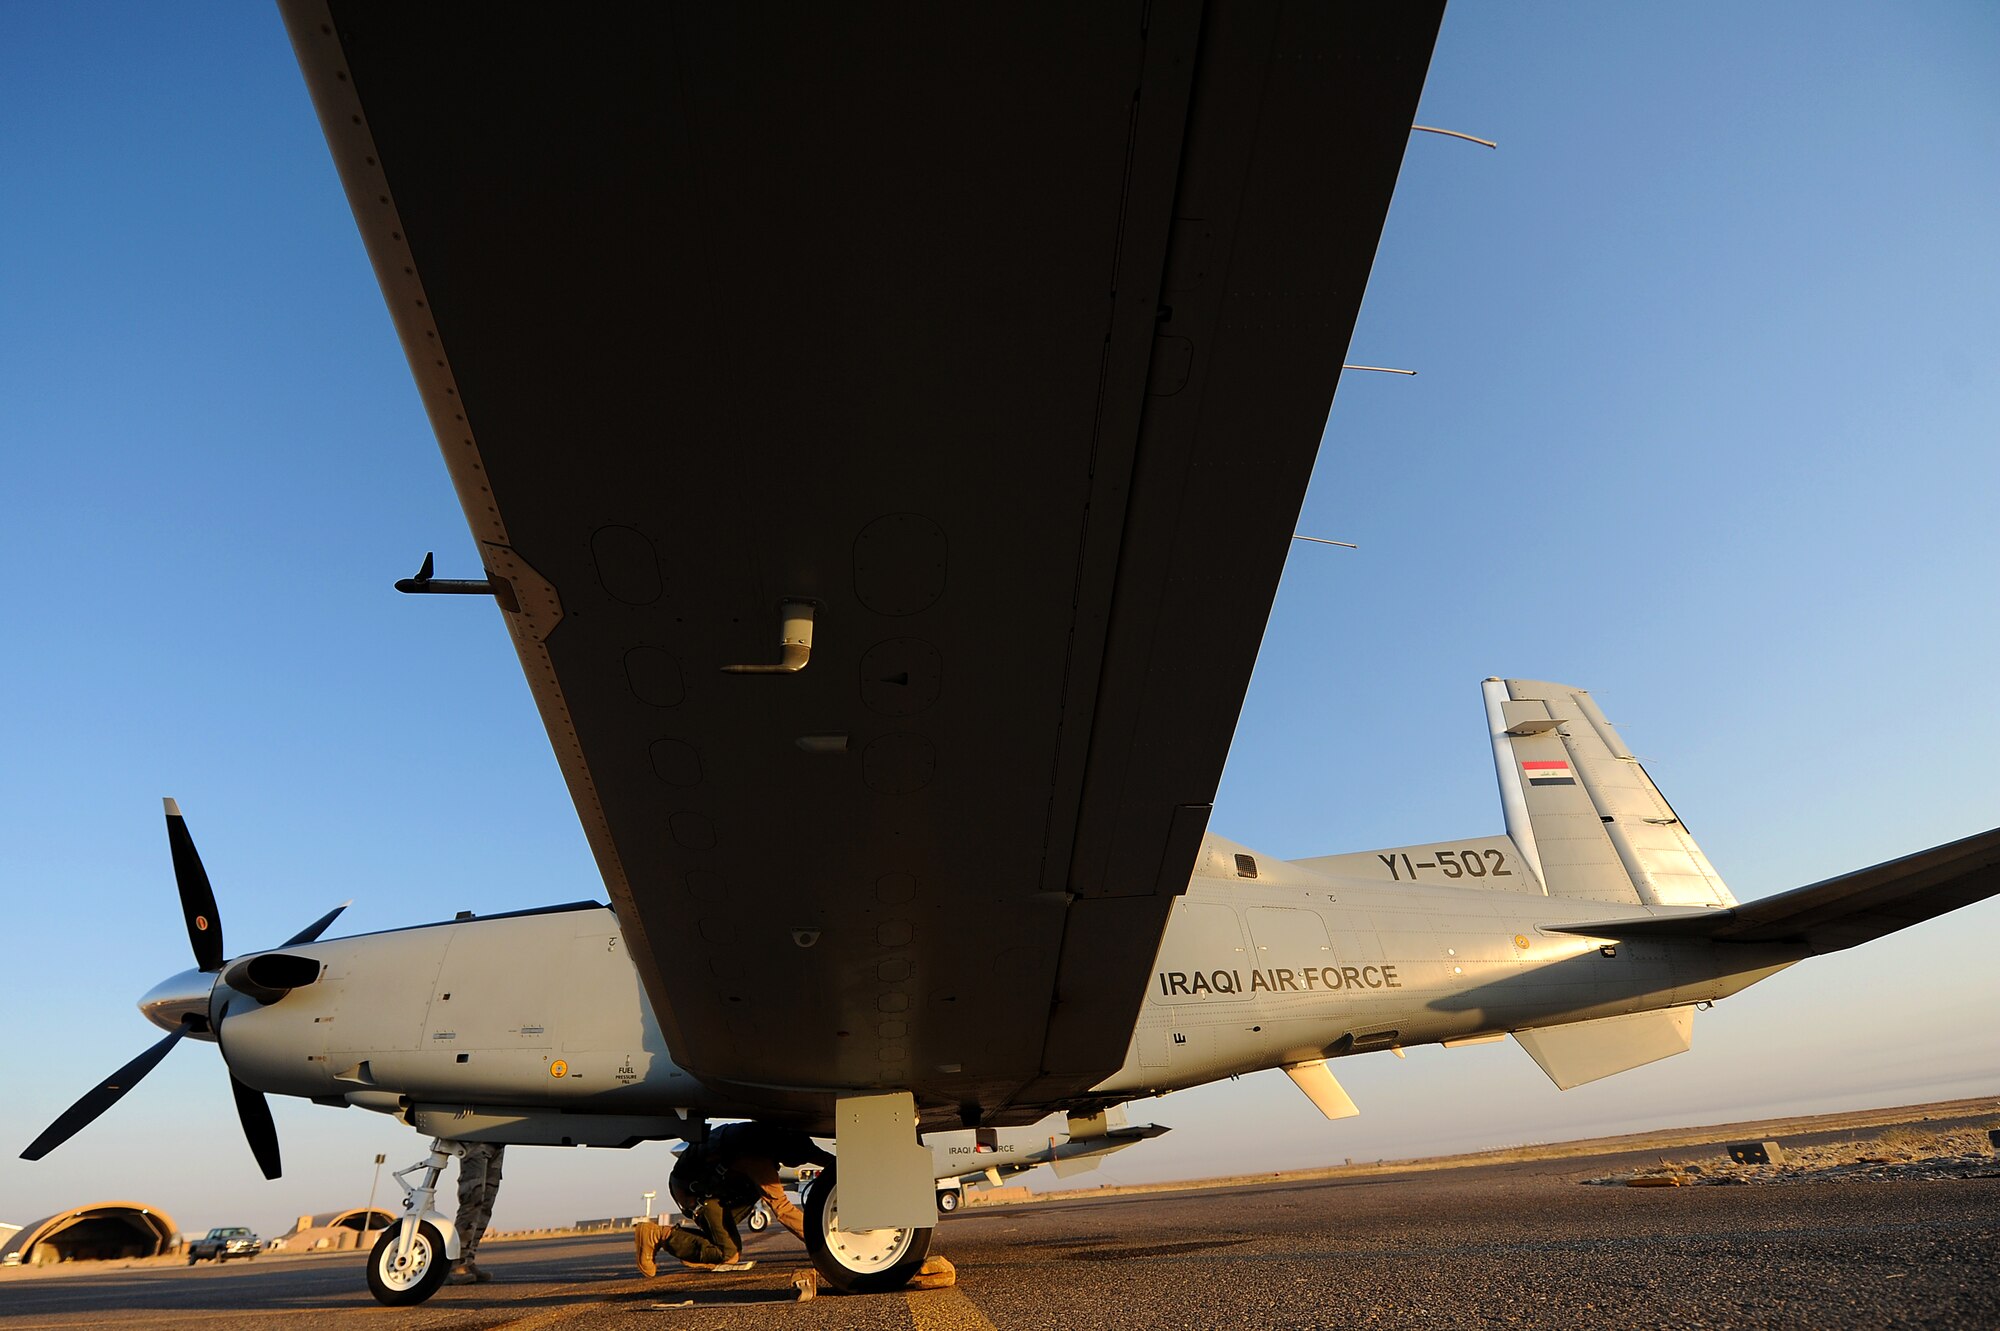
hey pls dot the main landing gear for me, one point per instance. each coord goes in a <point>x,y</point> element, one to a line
<point>412,1258</point>
<point>865,1261</point>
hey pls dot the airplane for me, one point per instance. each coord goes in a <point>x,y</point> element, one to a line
<point>1591,930</point>
<point>884,477</point>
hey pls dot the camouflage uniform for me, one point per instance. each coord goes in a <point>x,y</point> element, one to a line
<point>478,1185</point>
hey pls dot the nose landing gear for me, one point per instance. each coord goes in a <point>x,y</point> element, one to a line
<point>411,1259</point>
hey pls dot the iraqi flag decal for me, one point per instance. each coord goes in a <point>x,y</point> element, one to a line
<point>1555,773</point>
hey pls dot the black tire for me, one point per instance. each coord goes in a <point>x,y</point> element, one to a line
<point>948,1201</point>
<point>872,1267</point>
<point>428,1267</point>
<point>193,1260</point>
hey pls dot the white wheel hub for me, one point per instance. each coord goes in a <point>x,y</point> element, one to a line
<point>404,1274</point>
<point>863,1250</point>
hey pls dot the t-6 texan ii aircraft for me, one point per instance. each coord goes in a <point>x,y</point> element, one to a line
<point>883,436</point>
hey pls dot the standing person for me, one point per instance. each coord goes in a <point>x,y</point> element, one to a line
<point>478,1184</point>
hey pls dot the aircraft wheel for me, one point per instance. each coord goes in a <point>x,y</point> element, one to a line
<point>419,1278</point>
<point>865,1261</point>
<point>948,1201</point>
<point>759,1221</point>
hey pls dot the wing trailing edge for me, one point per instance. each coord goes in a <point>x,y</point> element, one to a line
<point>1839,912</point>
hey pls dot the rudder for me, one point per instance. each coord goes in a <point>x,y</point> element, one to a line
<point>1582,810</point>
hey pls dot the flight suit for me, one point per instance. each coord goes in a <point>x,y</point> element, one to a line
<point>718,1182</point>
<point>753,1152</point>
<point>716,1243</point>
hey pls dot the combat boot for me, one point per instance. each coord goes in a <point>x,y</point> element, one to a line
<point>645,1238</point>
<point>462,1273</point>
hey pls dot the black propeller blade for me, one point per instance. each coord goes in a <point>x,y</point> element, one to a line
<point>204,924</point>
<point>79,1115</point>
<point>258,1129</point>
<point>266,978</point>
<point>317,927</point>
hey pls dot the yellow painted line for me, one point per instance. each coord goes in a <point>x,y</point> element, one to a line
<point>945,1310</point>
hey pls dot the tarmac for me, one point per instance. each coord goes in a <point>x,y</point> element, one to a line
<point>1501,1245</point>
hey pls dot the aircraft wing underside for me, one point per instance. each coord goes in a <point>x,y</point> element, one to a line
<point>1004,346</point>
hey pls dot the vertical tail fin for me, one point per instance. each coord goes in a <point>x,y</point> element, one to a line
<point>1582,810</point>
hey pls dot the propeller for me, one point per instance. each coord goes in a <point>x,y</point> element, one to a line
<point>204,922</point>
<point>253,1111</point>
<point>266,978</point>
<point>100,1098</point>
<point>318,926</point>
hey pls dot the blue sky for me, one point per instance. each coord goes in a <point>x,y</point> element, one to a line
<point>1707,421</point>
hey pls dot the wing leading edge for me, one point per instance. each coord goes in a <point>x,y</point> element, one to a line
<point>1005,346</point>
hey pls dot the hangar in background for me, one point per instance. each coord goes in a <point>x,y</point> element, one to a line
<point>99,1232</point>
<point>336,1229</point>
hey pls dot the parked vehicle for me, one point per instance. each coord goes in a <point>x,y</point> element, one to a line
<point>224,1243</point>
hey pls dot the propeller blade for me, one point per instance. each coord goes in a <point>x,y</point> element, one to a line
<point>258,1129</point>
<point>204,924</point>
<point>80,1115</point>
<point>312,931</point>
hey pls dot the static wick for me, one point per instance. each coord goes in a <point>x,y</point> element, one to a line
<point>1321,540</point>
<point>1454,134</point>
<point>1379,369</point>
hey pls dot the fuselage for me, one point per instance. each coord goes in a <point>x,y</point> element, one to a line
<point>535,1027</point>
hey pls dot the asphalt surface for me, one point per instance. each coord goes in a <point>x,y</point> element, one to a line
<point>1497,1246</point>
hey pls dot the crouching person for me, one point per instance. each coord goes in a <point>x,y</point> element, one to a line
<point>715,1203</point>
<point>717,1183</point>
<point>754,1152</point>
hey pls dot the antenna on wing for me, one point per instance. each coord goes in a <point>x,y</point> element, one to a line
<point>1454,134</point>
<point>424,582</point>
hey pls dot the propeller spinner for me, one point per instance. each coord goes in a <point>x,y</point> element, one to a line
<point>182,1006</point>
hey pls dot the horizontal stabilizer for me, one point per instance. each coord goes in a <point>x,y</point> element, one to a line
<point>1587,1050</point>
<point>1840,912</point>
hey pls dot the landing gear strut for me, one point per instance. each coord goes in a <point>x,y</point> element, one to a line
<point>412,1258</point>
<point>864,1261</point>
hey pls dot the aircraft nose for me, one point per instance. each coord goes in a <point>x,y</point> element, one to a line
<point>181,1000</point>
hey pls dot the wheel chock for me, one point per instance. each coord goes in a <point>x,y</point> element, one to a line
<point>935,1273</point>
